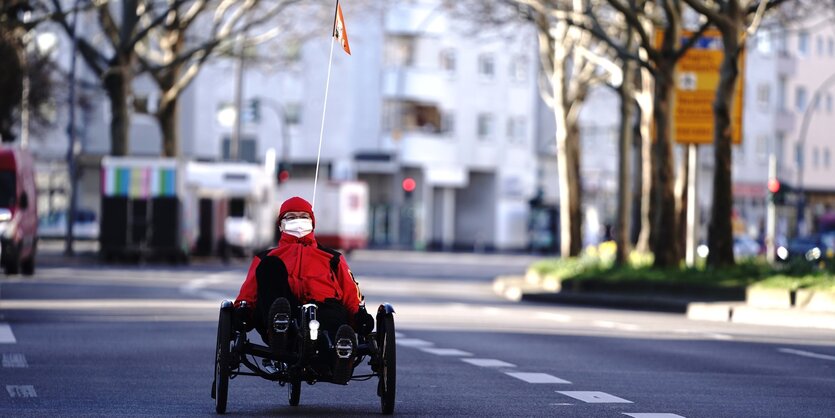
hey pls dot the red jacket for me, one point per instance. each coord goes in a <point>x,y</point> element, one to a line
<point>309,273</point>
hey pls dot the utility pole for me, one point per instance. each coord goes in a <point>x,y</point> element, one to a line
<point>771,212</point>
<point>692,173</point>
<point>72,153</point>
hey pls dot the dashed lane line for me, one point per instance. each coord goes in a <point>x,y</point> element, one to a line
<point>537,377</point>
<point>21,391</point>
<point>806,354</point>
<point>550,316</point>
<point>413,342</point>
<point>651,415</point>
<point>6,334</point>
<point>14,360</point>
<point>487,362</point>
<point>445,351</point>
<point>594,397</point>
<point>616,325</point>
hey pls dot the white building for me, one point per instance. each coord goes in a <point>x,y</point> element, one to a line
<point>418,98</point>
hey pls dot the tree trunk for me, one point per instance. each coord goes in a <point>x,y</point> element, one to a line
<point>622,235</point>
<point>664,225</point>
<point>645,103</point>
<point>575,187</point>
<point>720,231</point>
<point>117,83</point>
<point>168,117</point>
<point>568,193</point>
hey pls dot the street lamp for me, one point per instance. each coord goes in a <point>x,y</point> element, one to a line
<point>72,149</point>
<point>804,127</point>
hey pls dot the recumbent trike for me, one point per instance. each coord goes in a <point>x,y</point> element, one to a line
<point>307,360</point>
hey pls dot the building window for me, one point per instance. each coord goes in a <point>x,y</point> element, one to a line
<point>399,51</point>
<point>762,146</point>
<point>292,114</point>
<point>798,154</point>
<point>519,69</point>
<point>819,41</point>
<point>815,157</point>
<point>246,149</point>
<point>448,123</point>
<point>781,92</point>
<point>485,126</point>
<point>411,116</point>
<point>763,93</point>
<point>447,60</point>
<point>779,146</point>
<point>826,158</point>
<point>828,102</point>
<point>486,66</point>
<point>516,129</point>
<point>803,43</point>
<point>831,47</point>
<point>800,100</point>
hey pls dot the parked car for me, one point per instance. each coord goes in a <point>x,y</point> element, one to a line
<point>745,247</point>
<point>54,225</point>
<point>811,248</point>
<point>18,211</point>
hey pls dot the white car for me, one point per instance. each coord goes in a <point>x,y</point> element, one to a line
<point>54,225</point>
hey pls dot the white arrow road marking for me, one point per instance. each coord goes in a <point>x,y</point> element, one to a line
<point>487,362</point>
<point>14,360</point>
<point>806,354</point>
<point>652,415</point>
<point>413,342</point>
<point>536,377</point>
<point>445,351</point>
<point>594,397</point>
<point>6,334</point>
<point>24,391</point>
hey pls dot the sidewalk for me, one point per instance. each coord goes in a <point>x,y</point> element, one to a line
<point>758,306</point>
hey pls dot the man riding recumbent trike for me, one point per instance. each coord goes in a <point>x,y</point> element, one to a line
<point>305,303</point>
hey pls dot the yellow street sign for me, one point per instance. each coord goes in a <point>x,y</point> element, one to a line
<point>697,78</point>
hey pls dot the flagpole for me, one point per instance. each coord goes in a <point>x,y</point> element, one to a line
<point>324,111</point>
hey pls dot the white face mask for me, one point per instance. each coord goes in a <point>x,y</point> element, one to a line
<point>297,227</point>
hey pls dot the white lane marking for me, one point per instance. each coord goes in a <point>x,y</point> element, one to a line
<point>715,336</point>
<point>550,316</point>
<point>616,325</point>
<point>21,391</point>
<point>197,287</point>
<point>652,415</point>
<point>594,397</point>
<point>536,377</point>
<point>806,354</point>
<point>445,351</point>
<point>413,342</point>
<point>14,360</point>
<point>6,334</point>
<point>487,362</point>
<point>561,404</point>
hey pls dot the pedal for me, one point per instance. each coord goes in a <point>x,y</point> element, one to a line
<point>281,322</point>
<point>344,348</point>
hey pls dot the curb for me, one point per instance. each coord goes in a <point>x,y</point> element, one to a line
<point>769,312</point>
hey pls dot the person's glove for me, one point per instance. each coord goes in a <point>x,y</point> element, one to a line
<point>364,321</point>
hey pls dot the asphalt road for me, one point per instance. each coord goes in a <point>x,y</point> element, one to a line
<point>92,340</point>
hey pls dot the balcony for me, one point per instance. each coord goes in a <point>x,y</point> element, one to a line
<point>416,84</point>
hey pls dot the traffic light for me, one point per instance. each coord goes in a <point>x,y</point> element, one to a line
<point>283,172</point>
<point>776,192</point>
<point>408,185</point>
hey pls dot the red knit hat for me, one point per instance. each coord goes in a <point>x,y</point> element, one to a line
<point>296,204</point>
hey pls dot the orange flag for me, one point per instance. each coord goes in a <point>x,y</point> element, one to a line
<point>340,32</point>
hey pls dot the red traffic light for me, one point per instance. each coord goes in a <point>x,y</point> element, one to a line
<point>283,176</point>
<point>409,184</point>
<point>773,185</point>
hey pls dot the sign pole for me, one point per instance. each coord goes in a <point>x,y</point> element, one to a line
<point>771,213</point>
<point>692,170</point>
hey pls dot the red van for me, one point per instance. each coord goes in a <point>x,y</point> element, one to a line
<point>18,211</point>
